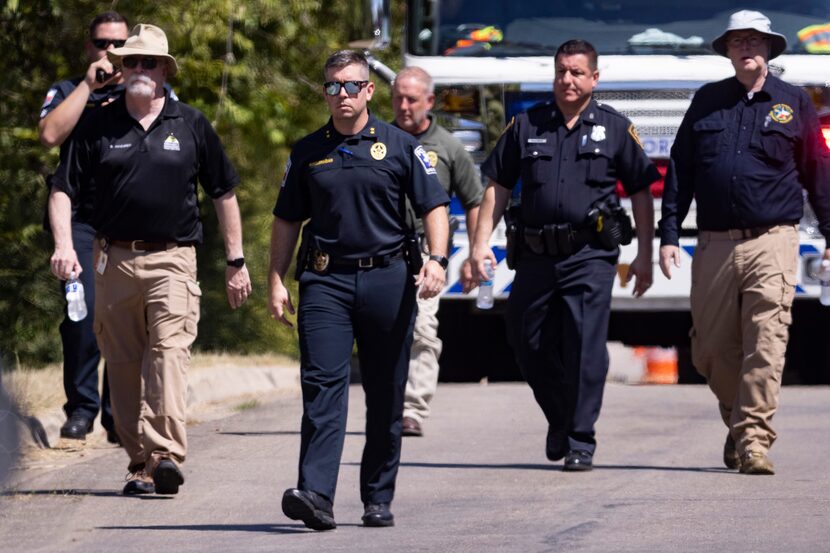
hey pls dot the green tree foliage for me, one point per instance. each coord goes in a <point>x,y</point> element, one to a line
<point>254,69</point>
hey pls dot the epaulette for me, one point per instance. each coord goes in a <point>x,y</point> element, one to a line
<point>547,104</point>
<point>609,109</point>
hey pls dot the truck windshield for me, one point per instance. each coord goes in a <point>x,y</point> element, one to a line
<point>536,27</point>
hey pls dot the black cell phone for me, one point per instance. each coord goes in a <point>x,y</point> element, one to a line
<point>102,76</point>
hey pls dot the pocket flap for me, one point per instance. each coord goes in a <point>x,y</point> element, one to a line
<point>709,125</point>
<point>193,288</point>
<point>534,151</point>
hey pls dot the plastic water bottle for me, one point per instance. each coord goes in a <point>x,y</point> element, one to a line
<point>485,288</point>
<point>824,278</point>
<point>75,301</point>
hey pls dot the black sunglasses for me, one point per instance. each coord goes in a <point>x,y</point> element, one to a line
<point>352,87</point>
<point>103,43</point>
<point>131,62</point>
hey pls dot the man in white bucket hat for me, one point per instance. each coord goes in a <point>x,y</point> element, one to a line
<point>142,156</point>
<point>745,150</point>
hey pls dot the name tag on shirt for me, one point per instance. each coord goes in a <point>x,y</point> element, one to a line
<point>101,266</point>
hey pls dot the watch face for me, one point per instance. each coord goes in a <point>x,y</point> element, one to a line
<point>443,261</point>
<point>239,262</point>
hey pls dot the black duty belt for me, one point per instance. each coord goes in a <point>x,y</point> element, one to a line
<point>556,239</point>
<point>145,246</point>
<point>320,261</point>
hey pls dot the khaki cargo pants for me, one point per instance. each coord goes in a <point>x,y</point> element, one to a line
<point>742,293</point>
<point>146,313</point>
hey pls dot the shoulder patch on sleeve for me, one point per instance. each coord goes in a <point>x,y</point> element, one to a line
<point>49,97</point>
<point>633,132</point>
<point>287,169</point>
<point>510,124</point>
<point>423,157</point>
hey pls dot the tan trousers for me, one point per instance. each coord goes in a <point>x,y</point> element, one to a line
<point>423,360</point>
<point>742,292</point>
<point>146,313</point>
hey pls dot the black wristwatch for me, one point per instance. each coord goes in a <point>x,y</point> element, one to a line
<point>443,261</point>
<point>238,262</point>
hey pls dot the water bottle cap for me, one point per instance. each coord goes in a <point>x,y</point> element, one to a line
<point>72,275</point>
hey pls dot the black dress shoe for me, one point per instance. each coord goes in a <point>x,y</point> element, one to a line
<point>112,437</point>
<point>167,477</point>
<point>578,460</point>
<point>76,427</point>
<point>556,445</point>
<point>312,508</point>
<point>378,515</point>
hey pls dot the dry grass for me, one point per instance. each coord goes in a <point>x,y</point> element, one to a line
<point>37,391</point>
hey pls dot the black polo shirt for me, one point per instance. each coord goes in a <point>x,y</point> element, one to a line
<point>565,172</point>
<point>143,184</point>
<point>352,188</point>
<point>58,92</point>
<point>745,158</point>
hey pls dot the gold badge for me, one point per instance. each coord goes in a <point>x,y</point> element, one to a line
<point>433,158</point>
<point>781,113</point>
<point>378,150</point>
<point>321,261</point>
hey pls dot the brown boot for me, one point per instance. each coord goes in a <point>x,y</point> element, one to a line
<point>755,462</point>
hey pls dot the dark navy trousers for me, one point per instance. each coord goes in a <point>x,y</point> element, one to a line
<point>557,319</point>
<point>375,308</point>
<point>80,349</point>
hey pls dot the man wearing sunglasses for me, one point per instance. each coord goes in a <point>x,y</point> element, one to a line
<point>141,158</point>
<point>350,180</point>
<point>65,104</point>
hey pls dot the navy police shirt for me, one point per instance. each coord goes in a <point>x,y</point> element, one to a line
<point>565,172</point>
<point>143,183</point>
<point>745,159</point>
<point>353,188</point>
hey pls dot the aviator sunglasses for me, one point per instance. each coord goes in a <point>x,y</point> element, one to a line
<point>352,87</point>
<point>131,62</point>
<point>103,43</point>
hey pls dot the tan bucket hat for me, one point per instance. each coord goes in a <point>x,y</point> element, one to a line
<point>746,20</point>
<point>145,40</point>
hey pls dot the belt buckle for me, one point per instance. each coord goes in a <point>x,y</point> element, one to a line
<point>366,262</point>
<point>320,261</point>
<point>134,248</point>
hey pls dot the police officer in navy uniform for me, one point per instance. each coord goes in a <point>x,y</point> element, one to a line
<point>65,104</point>
<point>350,180</point>
<point>569,155</point>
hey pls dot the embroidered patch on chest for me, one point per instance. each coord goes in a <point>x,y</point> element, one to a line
<point>171,143</point>
<point>782,113</point>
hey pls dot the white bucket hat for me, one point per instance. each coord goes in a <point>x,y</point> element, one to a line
<point>745,20</point>
<point>145,40</point>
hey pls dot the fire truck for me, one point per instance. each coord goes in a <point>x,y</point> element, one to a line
<point>491,59</point>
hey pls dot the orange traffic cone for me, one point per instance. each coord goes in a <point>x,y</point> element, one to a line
<point>661,366</point>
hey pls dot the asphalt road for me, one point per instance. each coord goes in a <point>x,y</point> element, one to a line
<point>478,481</point>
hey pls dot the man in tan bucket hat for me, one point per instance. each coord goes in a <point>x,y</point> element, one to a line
<point>142,156</point>
<point>746,148</point>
